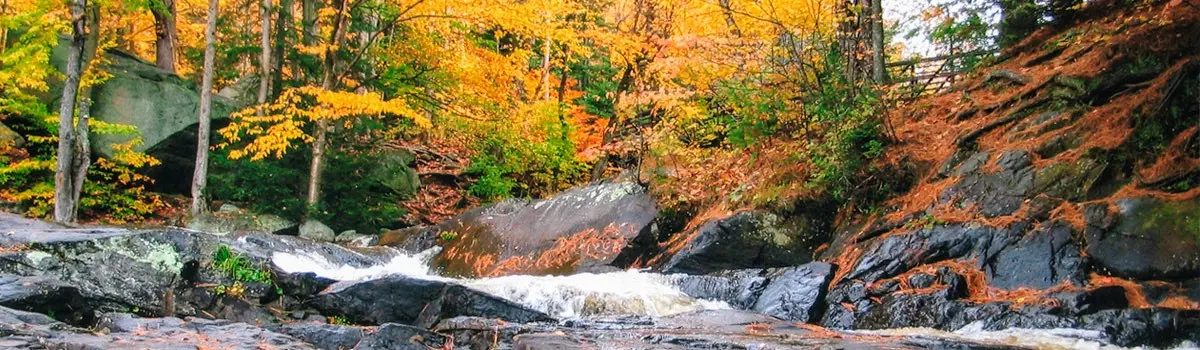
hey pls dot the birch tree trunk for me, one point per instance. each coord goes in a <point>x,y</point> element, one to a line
<point>264,76</point>
<point>200,176</point>
<point>83,146</point>
<point>878,58</point>
<point>328,83</point>
<point>65,206</point>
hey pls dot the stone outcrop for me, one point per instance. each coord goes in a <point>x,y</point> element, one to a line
<point>748,239</point>
<point>583,229</point>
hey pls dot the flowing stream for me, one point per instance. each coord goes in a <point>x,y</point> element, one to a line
<point>643,293</point>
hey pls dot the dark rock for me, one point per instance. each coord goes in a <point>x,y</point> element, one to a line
<point>514,234</point>
<point>994,194</point>
<point>739,288</point>
<point>45,295</point>
<point>391,336</point>
<point>1091,301</point>
<point>484,333</point>
<point>1070,181</point>
<point>956,284</point>
<point>130,332</point>
<point>322,336</point>
<point>963,162</point>
<point>414,301</point>
<point>921,280</point>
<point>1147,239</point>
<point>884,287</point>
<point>749,239</point>
<point>1042,258</point>
<point>796,293</point>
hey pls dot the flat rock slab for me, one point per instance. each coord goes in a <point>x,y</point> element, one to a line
<point>407,300</point>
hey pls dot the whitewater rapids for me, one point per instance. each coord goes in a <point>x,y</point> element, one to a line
<point>635,292</point>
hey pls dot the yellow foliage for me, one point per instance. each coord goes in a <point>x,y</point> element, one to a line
<point>282,122</point>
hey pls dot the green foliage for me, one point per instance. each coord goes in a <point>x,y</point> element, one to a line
<point>448,235</point>
<point>241,270</point>
<point>351,200</point>
<point>851,134</point>
<point>338,320</point>
<point>114,191</point>
<point>507,164</point>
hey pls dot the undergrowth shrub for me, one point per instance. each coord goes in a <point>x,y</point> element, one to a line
<point>114,191</point>
<point>350,200</point>
<point>509,164</point>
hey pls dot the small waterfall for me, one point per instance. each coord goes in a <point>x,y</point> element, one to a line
<point>585,294</point>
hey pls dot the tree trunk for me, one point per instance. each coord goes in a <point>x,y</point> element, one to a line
<point>308,34</point>
<point>283,27</point>
<point>64,200</point>
<point>264,64</point>
<point>321,132</point>
<point>83,145</point>
<point>878,74</point>
<point>200,176</point>
<point>165,34</point>
<point>544,86</point>
<point>610,131</point>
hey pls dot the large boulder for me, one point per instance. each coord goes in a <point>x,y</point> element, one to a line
<point>413,301</point>
<point>161,106</point>
<point>240,221</point>
<point>10,138</point>
<point>587,228</point>
<point>793,293</point>
<point>1145,238</point>
<point>139,94</point>
<point>317,231</point>
<point>748,239</point>
<point>394,171</point>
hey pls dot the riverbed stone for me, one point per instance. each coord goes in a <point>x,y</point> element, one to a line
<point>317,231</point>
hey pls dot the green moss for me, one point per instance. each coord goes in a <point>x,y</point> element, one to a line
<point>1178,217</point>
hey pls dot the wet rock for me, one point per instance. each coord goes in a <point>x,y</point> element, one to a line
<point>547,341</point>
<point>45,295</point>
<point>1070,181</point>
<point>1091,301</point>
<point>1042,258</point>
<point>415,301</point>
<point>797,293</point>
<point>921,280</point>
<point>583,229</point>
<point>484,333</point>
<point>391,336</point>
<point>1146,238</point>
<point>739,288</point>
<point>323,336</point>
<point>749,239</point>
<point>315,230</point>
<point>994,194</point>
<point>239,221</point>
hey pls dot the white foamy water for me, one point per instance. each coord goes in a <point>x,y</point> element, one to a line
<point>585,294</point>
